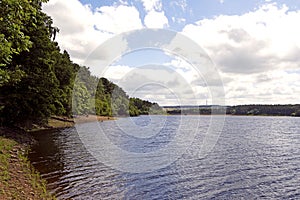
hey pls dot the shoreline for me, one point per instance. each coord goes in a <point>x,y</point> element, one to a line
<point>58,122</point>
<point>18,178</point>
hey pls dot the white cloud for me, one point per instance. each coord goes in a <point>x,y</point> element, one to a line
<point>82,29</point>
<point>150,81</point>
<point>151,5</point>
<point>117,72</point>
<point>117,19</point>
<point>77,34</point>
<point>182,4</point>
<point>178,20</point>
<point>178,63</point>
<point>155,19</point>
<point>257,41</point>
<point>271,87</point>
<point>258,51</point>
<point>175,82</point>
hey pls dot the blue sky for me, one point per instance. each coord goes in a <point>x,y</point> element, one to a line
<point>254,45</point>
<point>195,10</point>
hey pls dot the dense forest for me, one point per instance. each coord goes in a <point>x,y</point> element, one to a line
<point>274,110</point>
<point>265,110</point>
<point>37,80</point>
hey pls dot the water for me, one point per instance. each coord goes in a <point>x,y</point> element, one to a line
<point>254,158</point>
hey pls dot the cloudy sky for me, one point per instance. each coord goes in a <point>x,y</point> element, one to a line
<point>253,45</point>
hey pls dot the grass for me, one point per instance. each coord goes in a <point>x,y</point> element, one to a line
<point>6,146</point>
<point>18,179</point>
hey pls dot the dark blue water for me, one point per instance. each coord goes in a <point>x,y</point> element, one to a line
<point>254,158</point>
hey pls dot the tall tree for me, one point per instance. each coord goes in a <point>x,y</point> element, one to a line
<point>30,86</point>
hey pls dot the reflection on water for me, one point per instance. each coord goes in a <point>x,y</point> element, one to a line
<point>255,158</point>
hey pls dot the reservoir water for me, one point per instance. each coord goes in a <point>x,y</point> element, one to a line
<point>253,158</point>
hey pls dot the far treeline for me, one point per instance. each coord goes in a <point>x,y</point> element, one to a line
<point>37,79</point>
<point>264,110</point>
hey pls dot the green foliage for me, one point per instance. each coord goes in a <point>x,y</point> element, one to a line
<point>65,72</point>
<point>297,113</point>
<point>274,110</point>
<point>81,97</point>
<point>11,77</point>
<point>133,110</point>
<point>37,80</point>
<point>264,110</point>
<point>155,109</point>
<point>14,17</point>
<point>111,100</point>
<point>145,107</point>
<point>6,146</point>
<point>102,108</point>
<point>29,85</point>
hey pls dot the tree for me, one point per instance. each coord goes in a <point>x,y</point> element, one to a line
<point>81,99</point>
<point>297,113</point>
<point>65,71</point>
<point>14,17</point>
<point>30,87</point>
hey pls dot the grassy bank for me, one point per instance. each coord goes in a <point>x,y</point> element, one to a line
<point>18,179</point>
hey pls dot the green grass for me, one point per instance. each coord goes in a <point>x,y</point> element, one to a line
<point>6,146</point>
<point>30,177</point>
<point>35,179</point>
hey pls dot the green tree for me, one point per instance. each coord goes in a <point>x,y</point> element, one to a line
<point>30,87</point>
<point>15,15</point>
<point>81,99</point>
<point>65,72</point>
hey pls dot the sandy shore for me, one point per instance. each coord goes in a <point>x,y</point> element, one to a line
<point>91,118</point>
<point>64,122</point>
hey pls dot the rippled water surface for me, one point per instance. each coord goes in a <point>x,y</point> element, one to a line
<point>254,158</point>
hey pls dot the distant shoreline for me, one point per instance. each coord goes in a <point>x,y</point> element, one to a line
<point>240,110</point>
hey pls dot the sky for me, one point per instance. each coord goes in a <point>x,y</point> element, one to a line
<point>253,47</point>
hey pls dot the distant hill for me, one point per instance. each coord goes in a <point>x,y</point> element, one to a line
<point>265,110</point>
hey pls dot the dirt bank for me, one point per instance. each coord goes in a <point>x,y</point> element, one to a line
<point>64,122</point>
